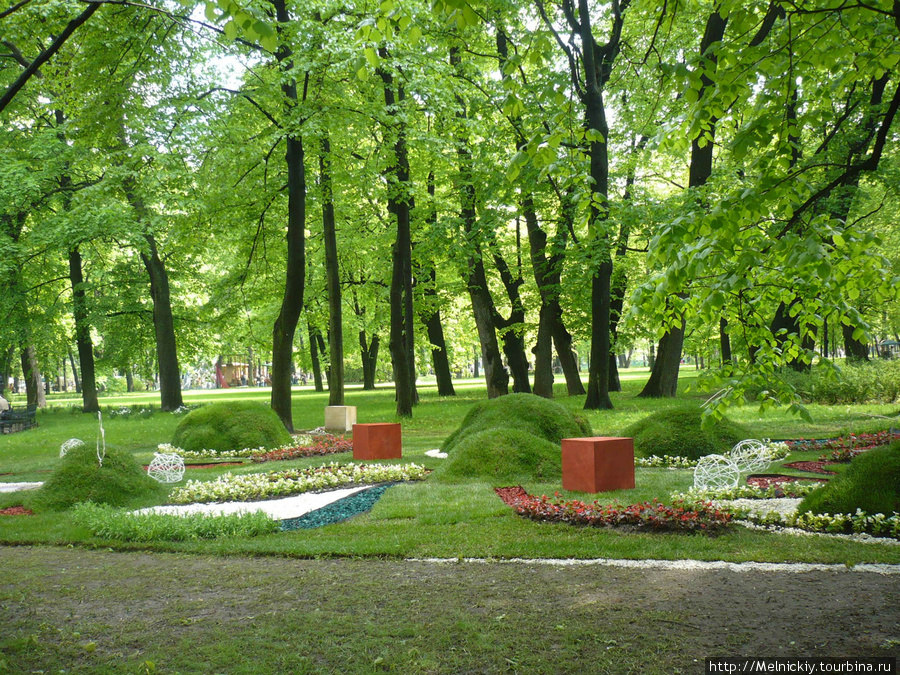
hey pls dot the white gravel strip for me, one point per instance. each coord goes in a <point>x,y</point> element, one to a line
<point>281,509</point>
<point>15,487</point>
<point>692,565</point>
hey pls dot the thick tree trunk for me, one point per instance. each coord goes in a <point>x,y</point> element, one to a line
<point>399,205</point>
<point>332,281</point>
<point>5,368</point>
<point>725,341</point>
<point>783,321</point>
<point>83,334</point>
<point>129,379</point>
<point>295,271</point>
<point>855,350</point>
<point>661,384</point>
<point>164,324</point>
<point>512,338</point>
<point>34,392</point>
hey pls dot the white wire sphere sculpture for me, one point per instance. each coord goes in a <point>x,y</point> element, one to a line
<point>714,472</point>
<point>70,444</point>
<point>166,467</point>
<point>750,455</point>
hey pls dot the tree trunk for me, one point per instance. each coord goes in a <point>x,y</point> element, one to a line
<point>314,338</point>
<point>5,367</point>
<point>725,341</point>
<point>34,392</point>
<point>295,271</point>
<point>399,204</point>
<point>855,350</point>
<point>369,353</point>
<point>83,334</point>
<point>665,384</point>
<point>783,321</point>
<point>74,372</point>
<point>164,324</point>
<point>332,281</point>
<point>435,329</point>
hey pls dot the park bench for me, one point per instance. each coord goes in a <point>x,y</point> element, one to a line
<point>18,419</point>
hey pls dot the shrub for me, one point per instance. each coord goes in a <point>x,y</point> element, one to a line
<point>80,477</point>
<point>234,425</point>
<point>110,523</point>
<point>678,433</point>
<point>511,437</point>
<point>851,383</point>
<point>871,483</point>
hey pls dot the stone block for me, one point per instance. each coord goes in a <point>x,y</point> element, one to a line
<point>376,441</point>
<point>340,418</point>
<point>598,464</point>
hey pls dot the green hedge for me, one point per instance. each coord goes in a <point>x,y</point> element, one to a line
<point>851,383</point>
<point>679,433</point>
<point>228,426</point>
<point>510,438</point>
<point>871,483</point>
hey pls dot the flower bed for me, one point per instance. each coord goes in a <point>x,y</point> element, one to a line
<point>878,525</point>
<point>777,480</point>
<point>810,467</point>
<point>844,448</point>
<point>654,516</point>
<point>256,486</point>
<point>788,489</point>
<point>325,444</point>
<point>774,449</point>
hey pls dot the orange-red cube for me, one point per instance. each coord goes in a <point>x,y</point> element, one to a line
<point>598,464</point>
<point>376,441</point>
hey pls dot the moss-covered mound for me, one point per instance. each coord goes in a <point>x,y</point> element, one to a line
<point>870,483</point>
<point>80,477</point>
<point>234,425</point>
<point>678,433</point>
<point>510,438</point>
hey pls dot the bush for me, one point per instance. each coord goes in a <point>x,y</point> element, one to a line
<point>511,437</point>
<point>109,523</point>
<point>226,427</point>
<point>678,433</point>
<point>119,481</point>
<point>851,383</point>
<point>871,483</point>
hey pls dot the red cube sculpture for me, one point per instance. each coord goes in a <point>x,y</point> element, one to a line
<point>376,441</point>
<point>597,464</point>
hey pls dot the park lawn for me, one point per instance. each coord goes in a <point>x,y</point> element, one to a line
<point>430,518</point>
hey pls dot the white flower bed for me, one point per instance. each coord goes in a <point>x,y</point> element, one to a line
<point>168,448</point>
<point>796,488</point>
<point>774,449</point>
<point>878,524</point>
<point>255,486</point>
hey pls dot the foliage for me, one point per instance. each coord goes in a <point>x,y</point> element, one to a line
<point>871,483</point>
<point>844,448</point>
<point>652,516</point>
<point>80,477</point>
<point>111,523</point>
<point>859,522</point>
<point>225,427</point>
<point>680,433</point>
<point>256,486</point>
<point>775,451</point>
<point>875,382</point>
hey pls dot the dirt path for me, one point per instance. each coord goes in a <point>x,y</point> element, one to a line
<point>97,612</point>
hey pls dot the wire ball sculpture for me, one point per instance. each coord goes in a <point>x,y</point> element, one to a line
<point>750,456</point>
<point>70,444</point>
<point>714,472</point>
<point>166,467</point>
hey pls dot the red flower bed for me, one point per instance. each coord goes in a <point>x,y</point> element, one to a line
<point>326,444</point>
<point>844,448</point>
<point>654,516</point>
<point>16,511</point>
<point>810,467</point>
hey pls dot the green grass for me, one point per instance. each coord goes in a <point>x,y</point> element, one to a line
<point>230,425</point>
<point>431,518</point>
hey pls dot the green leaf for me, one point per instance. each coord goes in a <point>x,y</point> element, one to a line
<point>372,57</point>
<point>231,30</point>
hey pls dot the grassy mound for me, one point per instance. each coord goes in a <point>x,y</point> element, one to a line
<point>870,483</point>
<point>234,425</point>
<point>511,437</point>
<point>120,481</point>
<point>678,433</point>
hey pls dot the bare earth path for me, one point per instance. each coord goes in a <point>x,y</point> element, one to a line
<point>85,611</point>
